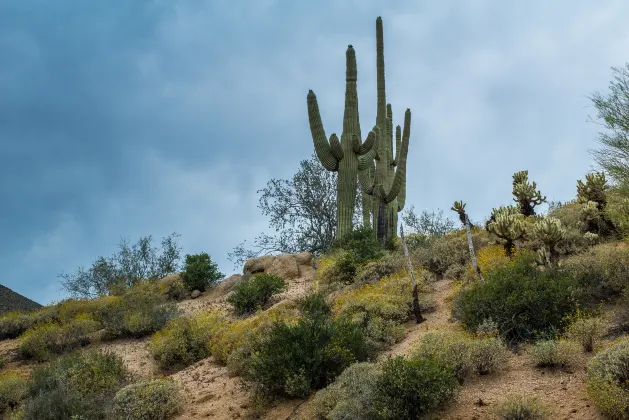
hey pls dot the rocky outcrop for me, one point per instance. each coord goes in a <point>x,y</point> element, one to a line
<point>286,266</point>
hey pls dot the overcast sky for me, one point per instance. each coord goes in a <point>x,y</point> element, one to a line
<point>131,118</point>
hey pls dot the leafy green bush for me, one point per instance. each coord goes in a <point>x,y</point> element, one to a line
<point>81,384</point>
<point>463,353</point>
<point>140,311</point>
<point>362,243</point>
<point>13,389</point>
<point>525,302</point>
<point>410,389</point>
<point>200,272</point>
<point>351,396</point>
<point>602,270</point>
<point>554,353</point>
<point>518,407</point>
<point>182,342</point>
<point>336,269</point>
<point>157,399</point>
<point>255,293</point>
<point>607,377</point>
<point>296,358</point>
<point>45,340</point>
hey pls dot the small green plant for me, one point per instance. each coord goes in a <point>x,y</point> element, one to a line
<point>586,331</point>
<point>255,293</point>
<point>554,353</point>
<point>296,358</point>
<point>524,301</point>
<point>81,385</point>
<point>200,272</point>
<point>361,242</point>
<point>13,390</point>
<point>607,377</point>
<point>156,399</point>
<point>410,389</point>
<point>45,340</point>
<point>518,407</point>
<point>182,342</point>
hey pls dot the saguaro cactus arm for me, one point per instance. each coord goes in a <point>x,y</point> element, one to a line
<point>322,147</point>
<point>400,173</point>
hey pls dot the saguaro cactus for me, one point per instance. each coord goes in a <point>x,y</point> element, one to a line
<point>348,154</point>
<point>385,181</point>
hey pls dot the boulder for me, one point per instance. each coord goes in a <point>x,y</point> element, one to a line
<point>195,294</point>
<point>286,266</point>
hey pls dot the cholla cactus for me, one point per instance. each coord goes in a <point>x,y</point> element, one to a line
<point>508,225</point>
<point>526,194</point>
<point>459,207</point>
<point>593,189</point>
<point>591,238</point>
<point>541,258</point>
<point>550,231</point>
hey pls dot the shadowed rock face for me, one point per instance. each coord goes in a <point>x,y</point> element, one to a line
<point>11,301</point>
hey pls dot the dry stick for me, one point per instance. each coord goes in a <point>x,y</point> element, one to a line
<point>470,245</point>
<point>416,310</point>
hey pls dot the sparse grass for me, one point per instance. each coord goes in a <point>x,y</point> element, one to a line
<point>587,331</point>
<point>555,353</point>
<point>519,407</point>
<point>13,390</point>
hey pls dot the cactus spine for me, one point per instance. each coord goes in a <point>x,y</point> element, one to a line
<point>385,180</point>
<point>346,155</point>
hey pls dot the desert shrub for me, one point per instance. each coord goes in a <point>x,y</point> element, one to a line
<point>523,301</point>
<point>351,396</point>
<point>81,384</point>
<point>182,342</point>
<point>617,210</point>
<point>373,271</point>
<point>381,307</point>
<point>140,311</point>
<point>172,286</point>
<point>603,270</point>
<point>571,217</point>
<point>586,331</point>
<point>442,253</point>
<point>45,340</point>
<point>13,390</point>
<point>228,336</point>
<point>337,268</point>
<point>491,258</point>
<point>463,353</point>
<point>200,272</point>
<point>296,358</point>
<point>156,399</point>
<point>15,323</point>
<point>519,407</point>
<point>554,353</point>
<point>607,378</point>
<point>255,293</point>
<point>362,243</point>
<point>410,389</point>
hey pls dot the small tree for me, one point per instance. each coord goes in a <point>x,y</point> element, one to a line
<point>200,272</point>
<point>427,223</point>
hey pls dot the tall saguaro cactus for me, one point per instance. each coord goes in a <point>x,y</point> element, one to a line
<point>349,154</point>
<point>385,181</point>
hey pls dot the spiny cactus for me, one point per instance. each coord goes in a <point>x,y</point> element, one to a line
<point>347,155</point>
<point>593,195</point>
<point>459,207</point>
<point>508,225</point>
<point>550,231</point>
<point>526,194</point>
<point>385,180</point>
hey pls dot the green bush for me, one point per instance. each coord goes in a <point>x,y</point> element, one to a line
<point>361,243</point>
<point>463,353</point>
<point>81,384</point>
<point>410,389</point>
<point>296,358</point>
<point>602,270</point>
<point>524,302</point>
<point>554,353</point>
<point>45,340</point>
<point>255,293</point>
<point>140,311</point>
<point>606,379</point>
<point>443,254</point>
<point>13,390</point>
<point>351,396</point>
<point>172,286</point>
<point>374,271</point>
<point>157,399</point>
<point>518,407</point>
<point>15,323</point>
<point>586,331</point>
<point>182,342</point>
<point>200,272</point>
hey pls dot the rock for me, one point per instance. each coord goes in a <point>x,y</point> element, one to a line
<point>195,294</point>
<point>285,266</point>
<point>228,284</point>
<point>303,258</point>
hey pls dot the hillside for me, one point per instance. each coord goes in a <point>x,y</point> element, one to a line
<point>11,301</point>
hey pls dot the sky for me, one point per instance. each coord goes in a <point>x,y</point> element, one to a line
<point>135,118</point>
